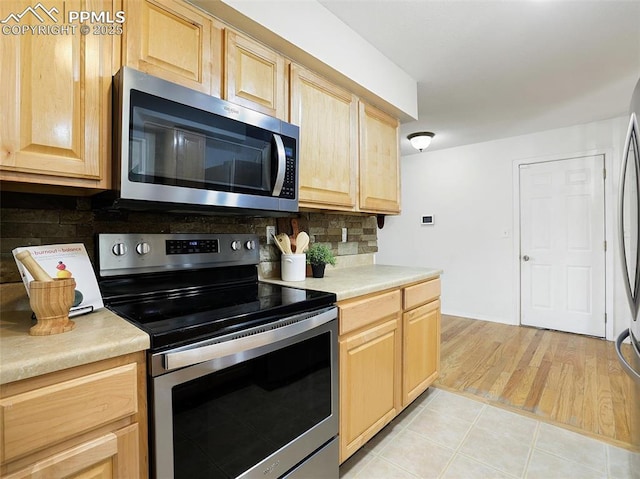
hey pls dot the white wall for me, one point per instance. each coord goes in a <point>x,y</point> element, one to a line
<point>470,191</point>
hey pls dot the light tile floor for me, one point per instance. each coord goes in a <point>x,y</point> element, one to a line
<point>449,436</point>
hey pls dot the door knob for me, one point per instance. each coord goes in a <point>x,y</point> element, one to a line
<point>525,258</point>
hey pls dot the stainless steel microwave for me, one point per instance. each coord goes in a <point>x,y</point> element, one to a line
<point>180,149</point>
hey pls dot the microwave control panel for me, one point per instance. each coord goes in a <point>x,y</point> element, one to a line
<point>289,185</point>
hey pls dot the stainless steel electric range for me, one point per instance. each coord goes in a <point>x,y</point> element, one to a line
<point>242,374</point>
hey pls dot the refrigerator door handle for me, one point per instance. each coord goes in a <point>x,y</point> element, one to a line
<point>630,167</point>
<point>623,361</point>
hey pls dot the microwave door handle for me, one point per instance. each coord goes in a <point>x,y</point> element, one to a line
<point>282,166</point>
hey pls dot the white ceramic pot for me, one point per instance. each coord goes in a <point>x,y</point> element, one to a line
<point>293,267</point>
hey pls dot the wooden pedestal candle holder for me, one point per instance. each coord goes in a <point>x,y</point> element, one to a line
<point>51,301</point>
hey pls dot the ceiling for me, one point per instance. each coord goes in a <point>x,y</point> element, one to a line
<point>494,69</point>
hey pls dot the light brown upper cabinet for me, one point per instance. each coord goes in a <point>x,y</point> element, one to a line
<point>327,116</point>
<point>174,41</point>
<point>55,104</point>
<point>379,161</point>
<point>255,76</point>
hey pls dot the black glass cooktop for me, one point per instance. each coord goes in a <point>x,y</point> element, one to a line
<point>176,316</point>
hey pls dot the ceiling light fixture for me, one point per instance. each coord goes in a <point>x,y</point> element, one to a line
<point>421,139</point>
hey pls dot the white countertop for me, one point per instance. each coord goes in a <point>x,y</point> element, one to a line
<point>360,280</point>
<point>103,335</point>
<point>96,336</point>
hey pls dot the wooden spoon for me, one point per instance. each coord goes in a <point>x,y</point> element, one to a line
<point>277,243</point>
<point>294,233</point>
<point>302,242</point>
<point>285,244</point>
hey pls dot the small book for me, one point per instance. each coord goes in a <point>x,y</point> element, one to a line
<point>66,261</point>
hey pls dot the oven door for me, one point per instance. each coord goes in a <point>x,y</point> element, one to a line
<point>258,411</point>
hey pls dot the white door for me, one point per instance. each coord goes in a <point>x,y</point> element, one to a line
<point>562,245</point>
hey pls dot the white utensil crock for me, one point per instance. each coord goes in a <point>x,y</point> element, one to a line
<point>293,267</point>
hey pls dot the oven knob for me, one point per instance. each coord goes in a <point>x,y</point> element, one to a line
<point>250,244</point>
<point>119,249</point>
<point>143,248</point>
<point>235,245</point>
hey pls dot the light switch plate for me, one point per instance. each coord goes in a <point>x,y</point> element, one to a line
<point>271,231</point>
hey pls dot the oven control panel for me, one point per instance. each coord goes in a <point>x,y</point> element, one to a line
<point>193,246</point>
<point>122,254</point>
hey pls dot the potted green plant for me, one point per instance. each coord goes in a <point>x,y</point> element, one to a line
<point>319,255</point>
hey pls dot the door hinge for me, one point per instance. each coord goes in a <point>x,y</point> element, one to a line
<point>604,173</point>
<point>605,245</point>
<point>605,318</point>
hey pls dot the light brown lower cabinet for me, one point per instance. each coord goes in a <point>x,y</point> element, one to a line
<point>83,422</point>
<point>421,350</point>
<point>389,355</point>
<point>369,379</point>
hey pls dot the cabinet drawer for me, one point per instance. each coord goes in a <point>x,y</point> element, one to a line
<point>421,293</point>
<point>361,312</point>
<point>36,419</point>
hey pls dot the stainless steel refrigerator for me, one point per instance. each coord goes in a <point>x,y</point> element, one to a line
<point>629,235</point>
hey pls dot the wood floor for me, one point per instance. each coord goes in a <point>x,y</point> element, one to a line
<point>566,379</point>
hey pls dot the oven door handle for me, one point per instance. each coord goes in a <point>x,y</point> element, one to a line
<point>254,338</point>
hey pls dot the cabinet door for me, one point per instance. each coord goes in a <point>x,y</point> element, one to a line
<point>174,41</point>
<point>379,161</point>
<point>55,102</point>
<point>421,350</point>
<point>93,459</point>
<point>254,76</point>
<point>369,383</point>
<point>114,455</point>
<point>130,460</point>
<point>327,117</point>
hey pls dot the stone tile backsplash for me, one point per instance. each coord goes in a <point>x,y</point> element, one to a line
<point>32,219</point>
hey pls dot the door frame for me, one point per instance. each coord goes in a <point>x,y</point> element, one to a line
<point>609,226</point>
